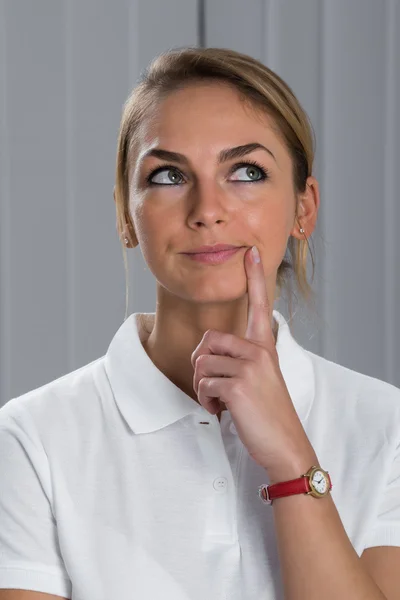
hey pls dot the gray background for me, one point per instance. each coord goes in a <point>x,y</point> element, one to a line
<point>66,68</point>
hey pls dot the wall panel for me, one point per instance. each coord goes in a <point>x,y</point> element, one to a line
<point>66,69</point>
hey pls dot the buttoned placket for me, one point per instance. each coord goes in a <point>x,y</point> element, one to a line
<point>221,508</point>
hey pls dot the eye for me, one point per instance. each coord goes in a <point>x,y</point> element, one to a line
<point>174,177</point>
<point>251,168</point>
<point>171,179</point>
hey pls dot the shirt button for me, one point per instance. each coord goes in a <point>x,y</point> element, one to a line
<point>232,428</point>
<point>220,484</point>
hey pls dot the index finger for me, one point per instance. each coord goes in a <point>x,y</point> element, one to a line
<point>259,328</point>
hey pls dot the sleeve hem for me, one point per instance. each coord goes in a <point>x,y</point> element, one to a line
<point>388,535</point>
<point>35,580</point>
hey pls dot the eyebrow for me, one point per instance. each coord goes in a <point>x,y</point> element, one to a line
<point>224,155</point>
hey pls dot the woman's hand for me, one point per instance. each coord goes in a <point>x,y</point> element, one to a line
<point>245,375</point>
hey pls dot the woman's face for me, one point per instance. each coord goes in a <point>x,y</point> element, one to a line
<point>196,199</point>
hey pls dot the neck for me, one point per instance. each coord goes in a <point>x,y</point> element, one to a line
<point>170,338</point>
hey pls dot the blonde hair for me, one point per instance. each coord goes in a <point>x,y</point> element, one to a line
<point>258,86</point>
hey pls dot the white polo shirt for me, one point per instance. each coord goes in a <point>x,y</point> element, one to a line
<point>116,484</point>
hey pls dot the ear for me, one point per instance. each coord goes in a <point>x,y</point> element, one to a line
<point>308,210</point>
<point>125,231</point>
<point>120,233</point>
<point>116,222</point>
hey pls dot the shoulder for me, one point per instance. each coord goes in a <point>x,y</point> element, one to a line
<point>344,379</point>
<point>351,392</point>
<point>58,403</point>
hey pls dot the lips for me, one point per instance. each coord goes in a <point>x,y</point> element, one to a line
<point>213,258</point>
<point>212,249</point>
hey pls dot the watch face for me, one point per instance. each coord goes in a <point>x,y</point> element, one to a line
<point>320,482</point>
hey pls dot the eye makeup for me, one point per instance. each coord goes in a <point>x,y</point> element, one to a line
<point>264,173</point>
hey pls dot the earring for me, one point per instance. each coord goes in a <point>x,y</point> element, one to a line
<point>126,241</point>
<point>301,230</point>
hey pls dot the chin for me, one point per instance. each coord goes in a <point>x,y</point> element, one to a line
<point>208,295</point>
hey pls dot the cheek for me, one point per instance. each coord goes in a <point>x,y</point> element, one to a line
<point>269,226</point>
<point>150,233</point>
<point>153,229</point>
<point>268,229</point>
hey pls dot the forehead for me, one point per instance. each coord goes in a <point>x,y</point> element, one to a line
<point>204,116</point>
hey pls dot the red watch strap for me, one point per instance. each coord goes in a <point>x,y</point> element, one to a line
<point>288,488</point>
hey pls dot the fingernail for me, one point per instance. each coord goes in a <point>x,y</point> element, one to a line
<point>256,254</point>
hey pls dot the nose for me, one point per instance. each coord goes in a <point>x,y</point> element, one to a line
<point>209,204</point>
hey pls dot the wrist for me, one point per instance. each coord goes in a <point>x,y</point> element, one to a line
<point>292,468</point>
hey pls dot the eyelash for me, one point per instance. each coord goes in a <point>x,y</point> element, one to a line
<point>251,163</point>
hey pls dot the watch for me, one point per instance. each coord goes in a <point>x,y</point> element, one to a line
<point>316,482</point>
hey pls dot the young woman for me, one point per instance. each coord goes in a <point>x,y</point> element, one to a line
<point>207,454</point>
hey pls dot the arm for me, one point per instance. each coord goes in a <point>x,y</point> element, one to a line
<point>27,595</point>
<point>316,556</point>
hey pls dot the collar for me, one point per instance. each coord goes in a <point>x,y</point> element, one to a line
<point>148,400</point>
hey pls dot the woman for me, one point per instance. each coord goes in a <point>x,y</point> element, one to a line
<point>207,454</point>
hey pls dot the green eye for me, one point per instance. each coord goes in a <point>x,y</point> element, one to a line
<point>173,179</point>
<point>252,167</point>
<point>252,171</point>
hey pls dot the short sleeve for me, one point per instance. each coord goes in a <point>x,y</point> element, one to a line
<point>386,529</point>
<point>30,557</point>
